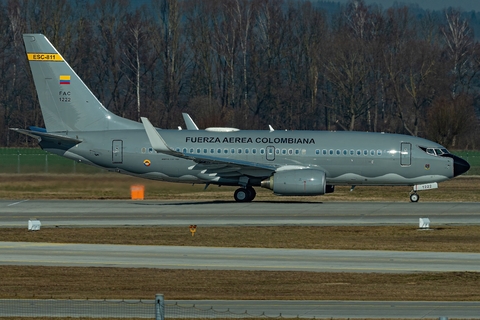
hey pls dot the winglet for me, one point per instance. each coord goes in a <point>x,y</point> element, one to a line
<point>189,122</point>
<point>156,140</point>
<point>271,128</point>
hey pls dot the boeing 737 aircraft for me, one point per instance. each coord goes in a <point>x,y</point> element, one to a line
<point>291,163</point>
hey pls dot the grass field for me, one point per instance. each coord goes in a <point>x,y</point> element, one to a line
<point>117,186</point>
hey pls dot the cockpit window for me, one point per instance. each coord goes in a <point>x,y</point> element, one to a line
<point>435,151</point>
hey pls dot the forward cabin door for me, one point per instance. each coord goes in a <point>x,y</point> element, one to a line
<point>117,151</point>
<point>405,154</point>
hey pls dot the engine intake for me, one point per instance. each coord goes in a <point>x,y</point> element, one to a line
<point>302,182</point>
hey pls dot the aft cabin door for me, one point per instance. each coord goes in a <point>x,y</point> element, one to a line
<point>406,154</point>
<point>117,151</point>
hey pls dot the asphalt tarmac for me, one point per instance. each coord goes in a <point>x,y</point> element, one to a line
<point>91,213</point>
<point>216,258</point>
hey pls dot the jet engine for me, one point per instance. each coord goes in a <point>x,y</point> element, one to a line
<point>301,182</point>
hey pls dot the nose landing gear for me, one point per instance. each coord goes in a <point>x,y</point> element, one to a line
<point>414,197</point>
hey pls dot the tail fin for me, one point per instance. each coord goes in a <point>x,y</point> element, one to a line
<point>66,102</point>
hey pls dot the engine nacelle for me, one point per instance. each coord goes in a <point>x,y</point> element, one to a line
<point>301,182</point>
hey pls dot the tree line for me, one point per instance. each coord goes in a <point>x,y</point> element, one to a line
<point>250,63</point>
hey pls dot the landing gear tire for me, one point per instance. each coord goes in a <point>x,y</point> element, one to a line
<point>414,197</point>
<point>252,193</point>
<point>244,194</point>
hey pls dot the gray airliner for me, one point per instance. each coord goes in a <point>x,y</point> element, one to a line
<point>291,163</point>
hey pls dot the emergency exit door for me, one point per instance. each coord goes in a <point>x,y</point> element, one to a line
<point>117,151</point>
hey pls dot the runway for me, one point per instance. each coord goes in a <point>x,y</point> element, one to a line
<point>216,258</point>
<point>92,213</point>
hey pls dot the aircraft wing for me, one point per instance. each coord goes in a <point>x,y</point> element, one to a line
<point>225,164</point>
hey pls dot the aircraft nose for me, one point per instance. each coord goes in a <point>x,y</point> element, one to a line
<point>460,166</point>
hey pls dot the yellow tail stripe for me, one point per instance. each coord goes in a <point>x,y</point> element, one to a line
<point>44,57</point>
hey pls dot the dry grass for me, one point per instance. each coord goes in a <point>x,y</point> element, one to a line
<point>399,238</point>
<point>141,283</point>
<point>116,186</point>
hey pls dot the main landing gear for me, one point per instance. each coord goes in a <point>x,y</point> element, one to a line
<point>244,194</point>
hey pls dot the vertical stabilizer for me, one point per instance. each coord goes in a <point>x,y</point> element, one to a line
<point>66,102</point>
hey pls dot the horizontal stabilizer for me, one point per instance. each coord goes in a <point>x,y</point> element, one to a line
<point>44,136</point>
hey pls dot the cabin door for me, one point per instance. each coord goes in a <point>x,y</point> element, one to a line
<point>405,154</point>
<point>117,151</point>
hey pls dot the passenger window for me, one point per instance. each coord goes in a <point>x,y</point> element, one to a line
<point>330,151</point>
<point>184,150</point>
<point>304,152</point>
<point>191,150</point>
<point>232,150</point>
<point>145,150</point>
<point>225,151</point>
<point>379,152</point>
<point>297,151</point>
<point>254,151</point>
<point>198,150</point>
<point>284,151</point>
<point>219,150</point>
<point>239,151</point>
<point>277,151</point>
<point>212,150</point>
<point>324,152</point>
<point>338,152</point>
<point>365,152</point>
<point>317,151</point>
<point>262,151</point>
<point>372,152</point>
<point>205,151</point>
<point>290,151</point>
<point>345,152</point>
<point>359,152</point>
<point>247,150</point>
<point>352,152</point>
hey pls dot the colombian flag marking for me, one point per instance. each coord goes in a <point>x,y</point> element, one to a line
<point>64,79</point>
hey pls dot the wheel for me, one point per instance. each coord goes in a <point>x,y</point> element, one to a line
<point>244,194</point>
<point>414,197</point>
<point>241,195</point>
<point>252,193</point>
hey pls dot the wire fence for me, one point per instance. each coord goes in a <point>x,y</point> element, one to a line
<point>113,309</point>
<point>31,161</point>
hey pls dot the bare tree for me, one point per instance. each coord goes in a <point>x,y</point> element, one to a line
<point>459,40</point>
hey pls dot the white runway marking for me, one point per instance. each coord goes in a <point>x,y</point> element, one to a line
<point>15,203</point>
